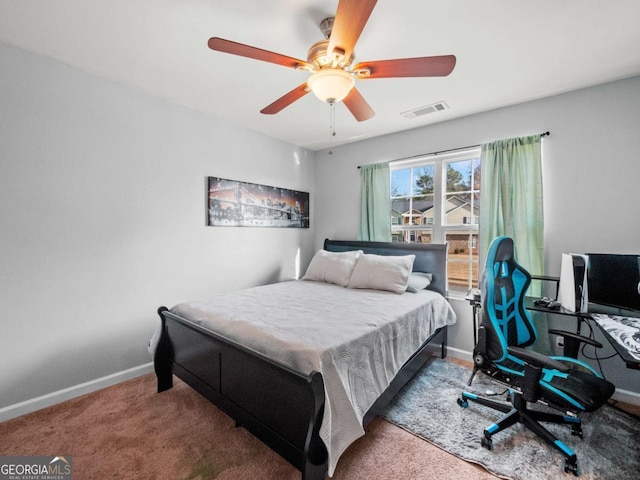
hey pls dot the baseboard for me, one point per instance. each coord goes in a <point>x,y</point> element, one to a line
<point>627,396</point>
<point>457,353</point>
<point>38,403</point>
<point>53,398</point>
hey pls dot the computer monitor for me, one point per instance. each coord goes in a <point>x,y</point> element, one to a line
<point>613,280</point>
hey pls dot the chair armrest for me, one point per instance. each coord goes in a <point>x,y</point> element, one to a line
<point>537,359</point>
<point>575,336</point>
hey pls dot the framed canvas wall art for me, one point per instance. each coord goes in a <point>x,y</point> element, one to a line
<point>231,203</point>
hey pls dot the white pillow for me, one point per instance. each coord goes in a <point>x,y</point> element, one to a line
<point>380,272</point>
<point>332,267</point>
<point>419,281</point>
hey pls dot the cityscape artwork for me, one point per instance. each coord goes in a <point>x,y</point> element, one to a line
<point>240,204</point>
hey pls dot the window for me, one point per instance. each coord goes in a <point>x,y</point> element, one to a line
<point>436,198</point>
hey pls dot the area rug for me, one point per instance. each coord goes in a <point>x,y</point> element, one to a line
<point>427,407</point>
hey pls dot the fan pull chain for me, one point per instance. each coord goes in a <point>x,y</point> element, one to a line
<point>332,125</point>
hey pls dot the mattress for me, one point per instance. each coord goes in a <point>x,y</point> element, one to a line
<point>357,339</point>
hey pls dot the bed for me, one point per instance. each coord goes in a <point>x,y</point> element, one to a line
<point>304,393</point>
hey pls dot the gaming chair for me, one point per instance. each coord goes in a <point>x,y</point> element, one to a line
<point>563,383</point>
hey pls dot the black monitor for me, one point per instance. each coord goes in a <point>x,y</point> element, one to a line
<point>614,281</point>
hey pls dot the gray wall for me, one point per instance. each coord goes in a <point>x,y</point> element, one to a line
<point>102,213</point>
<point>590,169</point>
<point>102,208</point>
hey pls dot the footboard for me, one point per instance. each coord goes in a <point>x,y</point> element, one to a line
<point>281,407</point>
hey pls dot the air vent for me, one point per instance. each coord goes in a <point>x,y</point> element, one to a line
<point>418,112</point>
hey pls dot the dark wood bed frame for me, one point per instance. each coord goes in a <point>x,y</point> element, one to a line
<point>281,407</point>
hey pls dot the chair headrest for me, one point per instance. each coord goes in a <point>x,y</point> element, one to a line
<point>502,249</point>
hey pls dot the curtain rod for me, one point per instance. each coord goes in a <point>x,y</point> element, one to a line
<point>544,134</point>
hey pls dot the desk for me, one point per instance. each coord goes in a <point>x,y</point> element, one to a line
<point>630,361</point>
<point>473,297</point>
<point>580,317</point>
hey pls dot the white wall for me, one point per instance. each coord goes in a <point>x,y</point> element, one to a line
<point>590,169</point>
<point>102,212</point>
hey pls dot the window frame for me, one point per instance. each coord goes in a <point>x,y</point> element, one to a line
<point>437,223</point>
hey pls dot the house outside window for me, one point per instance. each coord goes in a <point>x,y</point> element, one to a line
<point>436,198</point>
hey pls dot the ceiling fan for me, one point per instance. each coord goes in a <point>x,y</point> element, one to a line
<point>332,77</point>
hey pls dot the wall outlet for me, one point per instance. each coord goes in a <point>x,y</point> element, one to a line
<point>559,341</point>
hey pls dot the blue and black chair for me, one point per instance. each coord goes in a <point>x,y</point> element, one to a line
<point>564,383</point>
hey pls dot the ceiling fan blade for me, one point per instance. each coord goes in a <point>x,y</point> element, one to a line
<point>358,106</point>
<point>350,19</point>
<point>286,100</point>
<point>234,48</point>
<point>439,66</point>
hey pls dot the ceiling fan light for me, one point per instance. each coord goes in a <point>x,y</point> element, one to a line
<point>331,84</point>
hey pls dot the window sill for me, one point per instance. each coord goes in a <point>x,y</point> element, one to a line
<point>457,295</point>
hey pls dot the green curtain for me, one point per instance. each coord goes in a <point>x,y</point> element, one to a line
<point>375,203</point>
<point>511,200</point>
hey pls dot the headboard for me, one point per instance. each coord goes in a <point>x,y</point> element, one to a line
<point>430,257</point>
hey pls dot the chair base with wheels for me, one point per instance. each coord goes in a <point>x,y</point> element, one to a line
<point>516,411</point>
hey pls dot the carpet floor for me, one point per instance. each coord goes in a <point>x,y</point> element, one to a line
<point>129,431</point>
<point>427,407</point>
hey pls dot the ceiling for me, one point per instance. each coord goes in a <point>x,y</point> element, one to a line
<point>508,52</point>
